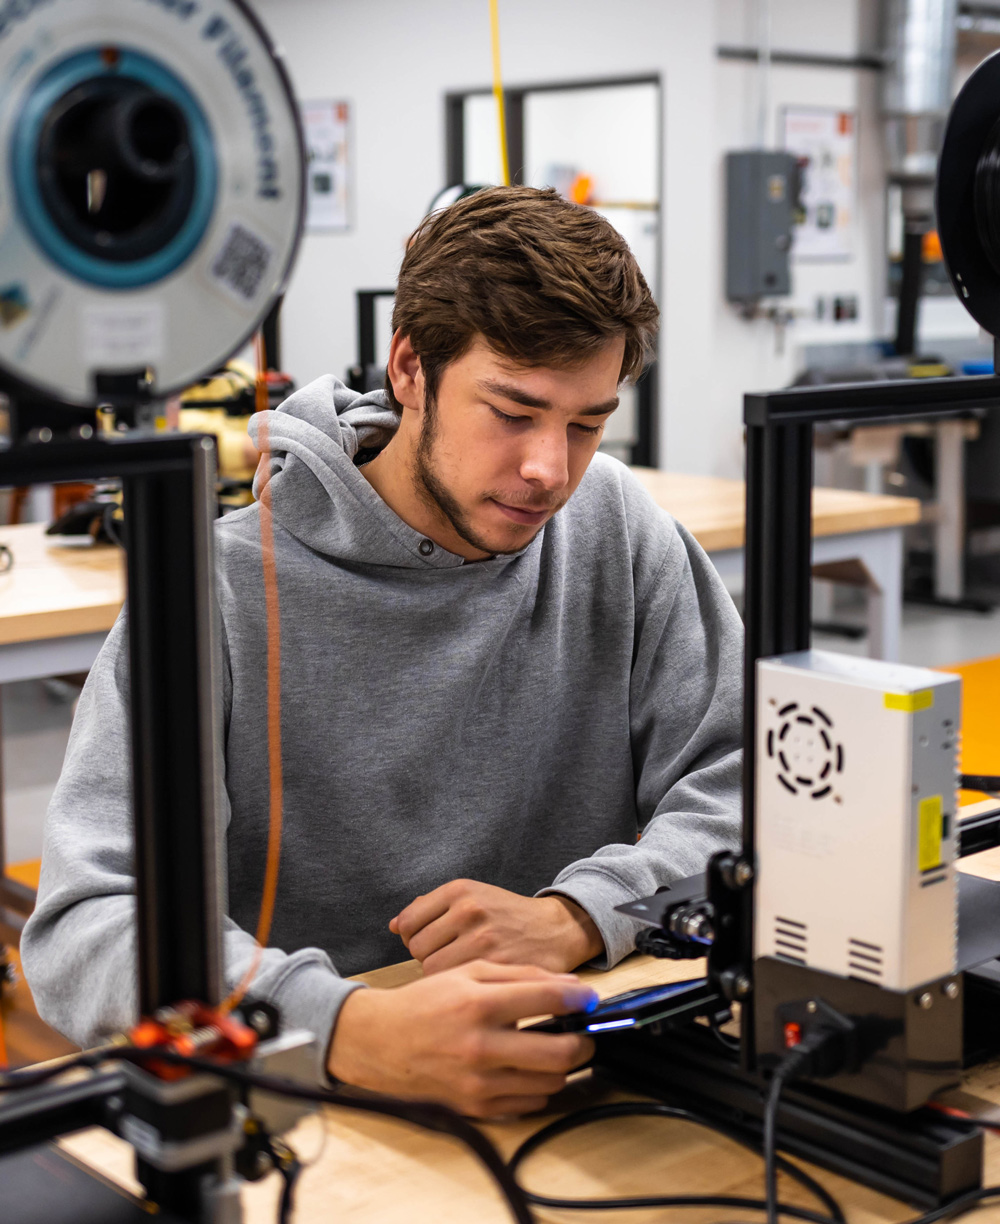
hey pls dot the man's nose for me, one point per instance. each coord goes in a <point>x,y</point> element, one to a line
<point>546,461</point>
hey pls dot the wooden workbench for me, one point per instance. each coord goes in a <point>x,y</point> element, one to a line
<point>713,509</point>
<point>375,1171</point>
<point>57,588</point>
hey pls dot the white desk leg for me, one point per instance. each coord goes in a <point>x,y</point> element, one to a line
<point>881,552</point>
<point>885,606</point>
<point>949,531</point>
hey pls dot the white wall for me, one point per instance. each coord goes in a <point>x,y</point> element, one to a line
<point>754,354</point>
<point>395,59</point>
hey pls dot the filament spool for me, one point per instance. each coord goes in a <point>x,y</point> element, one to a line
<point>968,195</point>
<point>156,191</point>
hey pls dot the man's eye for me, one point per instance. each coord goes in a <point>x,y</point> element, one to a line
<point>506,418</point>
<point>589,429</point>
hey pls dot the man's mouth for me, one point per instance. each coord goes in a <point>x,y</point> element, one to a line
<point>523,514</point>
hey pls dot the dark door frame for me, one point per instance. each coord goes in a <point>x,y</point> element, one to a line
<point>646,449</point>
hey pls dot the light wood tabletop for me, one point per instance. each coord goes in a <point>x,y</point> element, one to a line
<point>713,509</point>
<point>58,588</point>
<point>369,1170</point>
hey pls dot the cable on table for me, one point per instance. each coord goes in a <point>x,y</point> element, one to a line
<point>600,1113</point>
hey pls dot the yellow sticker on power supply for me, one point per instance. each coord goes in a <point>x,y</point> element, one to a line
<point>909,703</point>
<point>930,832</point>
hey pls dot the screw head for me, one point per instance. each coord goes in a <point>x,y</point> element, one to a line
<point>742,873</point>
<point>741,986</point>
<point>926,1000</point>
<point>950,990</point>
<point>811,1007</point>
<point>259,1022</point>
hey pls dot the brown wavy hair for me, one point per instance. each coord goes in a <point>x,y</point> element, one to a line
<point>543,281</point>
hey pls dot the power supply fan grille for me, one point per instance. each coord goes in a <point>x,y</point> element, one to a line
<point>791,940</point>
<point>807,757</point>
<point>864,960</point>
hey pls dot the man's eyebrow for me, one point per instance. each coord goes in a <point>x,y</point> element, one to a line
<point>512,392</point>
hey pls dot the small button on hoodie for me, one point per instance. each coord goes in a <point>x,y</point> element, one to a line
<point>425,548</point>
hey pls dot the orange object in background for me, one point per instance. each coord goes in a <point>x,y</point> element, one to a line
<point>980,719</point>
<point>931,249</point>
<point>581,190</point>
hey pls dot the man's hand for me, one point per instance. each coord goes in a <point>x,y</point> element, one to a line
<point>453,1039</point>
<point>465,920</point>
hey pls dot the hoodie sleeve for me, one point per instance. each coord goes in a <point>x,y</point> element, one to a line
<point>685,727</point>
<point>78,948</point>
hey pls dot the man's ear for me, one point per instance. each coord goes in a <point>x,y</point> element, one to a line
<point>404,372</point>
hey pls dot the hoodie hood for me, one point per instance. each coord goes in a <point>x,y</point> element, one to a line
<point>316,492</point>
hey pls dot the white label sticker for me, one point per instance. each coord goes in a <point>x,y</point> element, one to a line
<point>123,334</point>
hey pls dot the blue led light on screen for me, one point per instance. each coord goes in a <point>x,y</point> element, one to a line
<point>603,1026</point>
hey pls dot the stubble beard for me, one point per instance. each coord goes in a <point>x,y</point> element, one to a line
<point>434,493</point>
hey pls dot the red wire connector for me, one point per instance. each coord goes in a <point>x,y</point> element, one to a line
<point>193,1030</point>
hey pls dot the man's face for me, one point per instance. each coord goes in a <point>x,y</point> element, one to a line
<point>505,445</point>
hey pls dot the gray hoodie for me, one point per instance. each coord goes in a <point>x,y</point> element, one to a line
<point>521,720</point>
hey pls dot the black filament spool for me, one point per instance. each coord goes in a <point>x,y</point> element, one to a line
<point>968,195</point>
<point>986,197</point>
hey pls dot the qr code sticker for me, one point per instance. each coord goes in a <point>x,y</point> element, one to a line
<point>242,263</point>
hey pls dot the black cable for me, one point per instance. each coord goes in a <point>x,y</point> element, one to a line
<point>290,1167</point>
<point>32,1077</point>
<point>959,1206</point>
<point>599,1113</point>
<point>731,1043</point>
<point>771,1142</point>
<point>804,1058</point>
<point>989,784</point>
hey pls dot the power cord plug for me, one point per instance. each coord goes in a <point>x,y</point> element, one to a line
<point>819,1042</point>
<point>825,1041</point>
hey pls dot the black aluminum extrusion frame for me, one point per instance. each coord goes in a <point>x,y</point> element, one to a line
<point>169,497</point>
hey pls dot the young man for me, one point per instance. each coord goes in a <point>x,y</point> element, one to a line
<point>500,664</point>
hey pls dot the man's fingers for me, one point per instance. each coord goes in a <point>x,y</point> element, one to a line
<point>420,912</point>
<point>557,1053</point>
<point>436,937</point>
<point>493,971</point>
<point>516,1000</point>
<point>451,956</point>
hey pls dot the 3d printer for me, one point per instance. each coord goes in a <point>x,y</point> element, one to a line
<point>153,213</point>
<point>842,929</point>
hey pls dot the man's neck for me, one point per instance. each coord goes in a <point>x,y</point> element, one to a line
<point>392,474</point>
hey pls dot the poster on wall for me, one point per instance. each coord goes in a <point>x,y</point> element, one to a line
<point>327,135</point>
<point>826,144</point>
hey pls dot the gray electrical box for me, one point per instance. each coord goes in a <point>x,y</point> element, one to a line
<point>762,194</point>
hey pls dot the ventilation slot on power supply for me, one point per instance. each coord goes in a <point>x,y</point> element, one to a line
<point>864,960</point>
<point>807,759</point>
<point>790,940</point>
